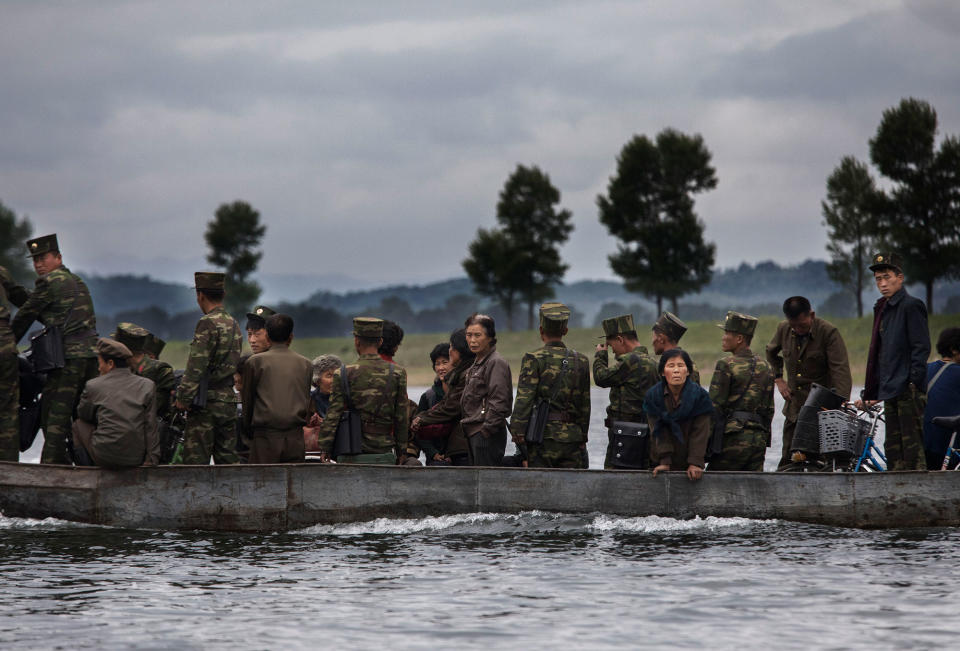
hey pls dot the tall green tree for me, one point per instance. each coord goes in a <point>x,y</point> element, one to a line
<point>492,266</point>
<point>519,262</point>
<point>921,215</point>
<point>649,208</point>
<point>14,234</point>
<point>850,214</point>
<point>233,237</point>
<point>528,212</point>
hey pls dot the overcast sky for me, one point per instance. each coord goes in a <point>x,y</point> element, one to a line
<point>374,137</point>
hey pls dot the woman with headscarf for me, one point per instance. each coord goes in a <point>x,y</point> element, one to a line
<point>679,413</point>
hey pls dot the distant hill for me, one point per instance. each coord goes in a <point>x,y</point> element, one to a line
<point>170,309</point>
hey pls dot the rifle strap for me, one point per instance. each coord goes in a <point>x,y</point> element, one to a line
<point>346,387</point>
<point>558,383</point>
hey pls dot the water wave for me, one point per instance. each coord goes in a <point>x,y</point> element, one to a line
<point>526,522</point>
<point>34,523</point>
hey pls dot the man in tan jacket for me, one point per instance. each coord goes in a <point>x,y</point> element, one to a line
<point>276,397</point>
<point>117,424</point>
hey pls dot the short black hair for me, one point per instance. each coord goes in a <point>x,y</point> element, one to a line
<point>948,343</point>
<point>458,341</point>
<point>256,323</point>
<point>215,295</point>
<point>796,306</point>
<point>392,336</point>
<point>484,321</point>
<point>279,328</point>
<point>554,328</point>
<point>368,341</point>
<point>440,350</point>
<point>670,354</point>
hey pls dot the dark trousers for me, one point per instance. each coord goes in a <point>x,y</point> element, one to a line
<point>487,450</point>
<point>273,446</point>
<point>9,403</point>
<point>61,393</point>
<point>903,444</point>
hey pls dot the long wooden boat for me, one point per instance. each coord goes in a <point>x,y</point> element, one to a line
<point>293,496</point>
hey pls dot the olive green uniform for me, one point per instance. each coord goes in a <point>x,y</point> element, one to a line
<point>59,298</point>
<point>9,381</point>
<point>214,353</point>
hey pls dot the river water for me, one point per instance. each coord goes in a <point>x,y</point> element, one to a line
<point>533,580</point>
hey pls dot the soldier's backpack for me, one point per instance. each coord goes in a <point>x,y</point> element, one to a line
<point>349,437</point>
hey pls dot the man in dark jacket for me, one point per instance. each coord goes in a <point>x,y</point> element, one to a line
<point>897,364</point>
<point>117,414</point>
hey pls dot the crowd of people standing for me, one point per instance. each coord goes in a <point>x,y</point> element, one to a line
<point>107,401</point>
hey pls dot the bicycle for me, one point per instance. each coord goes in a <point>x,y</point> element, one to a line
<point>951,423</point>
<point>847,438</point>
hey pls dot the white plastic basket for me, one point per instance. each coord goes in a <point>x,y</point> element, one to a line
<point>841,432</point>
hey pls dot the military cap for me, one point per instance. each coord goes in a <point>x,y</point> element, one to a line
<point>43,244</point>
<point>741,324</point>
<point>132,336</point>
<point>154,344</point>
<point>209,280</point>
<point>111,348</point>
<point>554,313</point>
<point>670,325</point>
<point>258,318</point>
<point>885,260</point>
<point>618,325</point>
<point>368,326</point>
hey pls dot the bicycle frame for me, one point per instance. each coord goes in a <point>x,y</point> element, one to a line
<point>867,459</point>
<point>951,452</point>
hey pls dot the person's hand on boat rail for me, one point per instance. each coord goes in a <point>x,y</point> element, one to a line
<point>694,472</point>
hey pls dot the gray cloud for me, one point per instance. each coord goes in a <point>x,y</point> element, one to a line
<point>374,137</point>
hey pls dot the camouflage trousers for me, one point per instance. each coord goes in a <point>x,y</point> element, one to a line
<point>903,444</point>
<point>743,450</point>
<point>58,402</point>
<point>9,406</point>
<point>554,454</point>
<point>211,431</point>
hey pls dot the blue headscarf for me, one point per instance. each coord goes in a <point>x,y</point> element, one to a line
<point>694,401</point>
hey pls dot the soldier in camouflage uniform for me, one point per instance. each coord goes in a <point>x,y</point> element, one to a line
<point>629,373</point>
<point>153,346</point>
<point>214,354</point>
<point>59,298</point>
<point>378,391</point>
<point>565,435</point>
<point>135,338</point>
<point>742,391</point>
<point>667,332</point>
<point>9,380</point>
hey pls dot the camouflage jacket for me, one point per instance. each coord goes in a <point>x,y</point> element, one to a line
<point>214,351</point>
<point>629,378</point>
<point>162,375</point>
<point>58,298</point>
<point>8,344</point>
<point>378,390</point>
<point>730,379</point>
<point>539,372</point>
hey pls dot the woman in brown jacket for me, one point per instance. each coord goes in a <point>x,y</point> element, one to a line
<point>487,399</point>
<point>678,411</point>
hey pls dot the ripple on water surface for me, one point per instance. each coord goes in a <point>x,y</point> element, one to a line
<point>478,580</point>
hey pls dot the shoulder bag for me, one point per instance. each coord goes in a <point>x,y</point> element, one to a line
<point>349,437</point>
<point>538,417</point>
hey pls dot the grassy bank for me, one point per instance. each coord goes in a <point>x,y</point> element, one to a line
<point>702,341</point>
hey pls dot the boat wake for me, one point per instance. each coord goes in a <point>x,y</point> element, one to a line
<point>33,523</point>
<point>528,522</point>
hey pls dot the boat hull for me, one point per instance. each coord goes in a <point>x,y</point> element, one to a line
<point>250,498</point>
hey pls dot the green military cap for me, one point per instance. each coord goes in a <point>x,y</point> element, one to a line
<point>618,325</point>
<point>110,348</point>
<point>368,326</point>
<point>555,313</point>
<point>741,324</point>
<point>258,318</point>
<point>43,244</point>
<point>132,336</point>
<point>209,280</point>
<point>885,260</point>
<point>670,325</point>
<point>154,345</point>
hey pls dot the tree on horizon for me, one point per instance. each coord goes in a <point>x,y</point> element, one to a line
<point>519,262</point>
<point>661,250</point>
<point>233,237</point>
<point>14,234</point>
